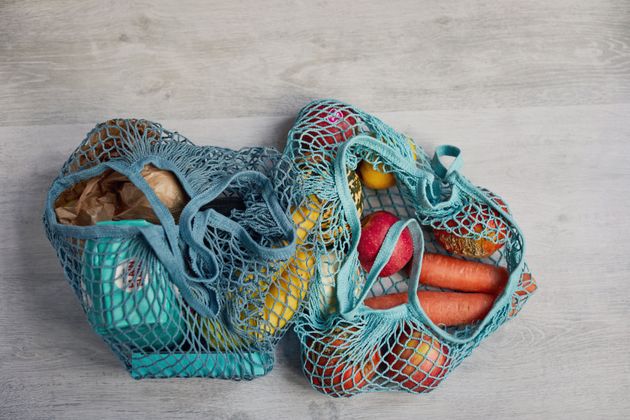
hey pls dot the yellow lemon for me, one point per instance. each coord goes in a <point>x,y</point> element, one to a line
<point>376,178</point>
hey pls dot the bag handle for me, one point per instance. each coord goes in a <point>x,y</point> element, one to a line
<point>425,187</point>
<point>384,254</point>
<point>462,184</point>
<point>204,301</point>
<point>166,239</point>
<point>446,150</point>
<point>352,217</point>
<point>193,211</point>
<point>193,222</point>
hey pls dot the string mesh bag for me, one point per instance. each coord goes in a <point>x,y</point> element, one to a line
<point>185,259</point>
<point>366,326</point>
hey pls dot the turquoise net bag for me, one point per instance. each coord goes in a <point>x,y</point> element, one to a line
<point>185,259</point>
<point>415,265</point>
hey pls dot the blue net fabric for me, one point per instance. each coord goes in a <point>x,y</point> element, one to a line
<point>348,347</point>
<point>199,281</point>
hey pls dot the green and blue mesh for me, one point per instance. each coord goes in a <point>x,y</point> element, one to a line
<point>206,291</point>
<point>348,348</point>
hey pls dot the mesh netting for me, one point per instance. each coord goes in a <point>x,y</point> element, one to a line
<point>349,347</point>
<point>207,280</point>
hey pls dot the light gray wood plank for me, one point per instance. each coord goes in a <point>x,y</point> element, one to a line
<point>63,62</point>
<point>565,172</point>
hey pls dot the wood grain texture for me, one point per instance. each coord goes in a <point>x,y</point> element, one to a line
<point>536,93</point>
<point>63,62</point>
<point>564,171</point>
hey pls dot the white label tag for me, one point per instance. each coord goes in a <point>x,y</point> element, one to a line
<point>130,276</point>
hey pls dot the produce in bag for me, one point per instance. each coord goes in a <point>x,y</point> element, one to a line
<point>183,257</point>
<point>129,298</point>
<point>374,326</point>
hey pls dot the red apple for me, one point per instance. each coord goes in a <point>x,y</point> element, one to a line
<point>417,361</point>
<point>374,227</point>
<point>329,364</point>
<point>481,219</point>
<point>329,124</point>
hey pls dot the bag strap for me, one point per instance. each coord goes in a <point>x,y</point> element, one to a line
<point>165,242</point>
<point>204,301</point>
<point>393,158</point>
<point>192,226</point>
<point>461,184</point>
<point>193,211</point>
<point>425,185</point>
<point>166,238</point>
<point>446,150</point>
<point>383,256</point>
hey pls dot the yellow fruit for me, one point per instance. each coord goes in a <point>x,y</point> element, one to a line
<point>287,292</point>
<point>376,179</point>
<point>356,190</point>
<point>282,299</point>
<point>305,217</point>
<point>218,336</point>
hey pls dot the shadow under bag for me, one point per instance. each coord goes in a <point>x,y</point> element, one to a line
<point>184,258</point>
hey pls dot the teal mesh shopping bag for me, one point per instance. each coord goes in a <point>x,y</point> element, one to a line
<point>368,326</point>
<point>185,259</point>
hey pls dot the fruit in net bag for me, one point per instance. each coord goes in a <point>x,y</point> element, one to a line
<point>375,177</point>
<point>374,228</point>
<point>332,365</point>
<point>417,361</point>
<point>329,124</point>
<point>479,220</point>
<point>329,219</point>
<point>287,291</point>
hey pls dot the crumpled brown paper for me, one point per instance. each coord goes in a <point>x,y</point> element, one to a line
<point>111,196</point>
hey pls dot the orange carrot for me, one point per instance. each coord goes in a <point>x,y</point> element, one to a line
<point>443,308</point>
<point>466,276</point>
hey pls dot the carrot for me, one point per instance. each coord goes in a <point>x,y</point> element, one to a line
<point>466,276</point>
<point>443,308</point>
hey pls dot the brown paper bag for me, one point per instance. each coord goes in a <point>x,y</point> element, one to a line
<point>111,196</point>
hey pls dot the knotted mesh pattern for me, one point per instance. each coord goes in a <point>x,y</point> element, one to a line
<point>348,348</point>
<point>227,252</point>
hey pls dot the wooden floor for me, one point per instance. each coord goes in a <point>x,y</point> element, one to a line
<point>536,93</point>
